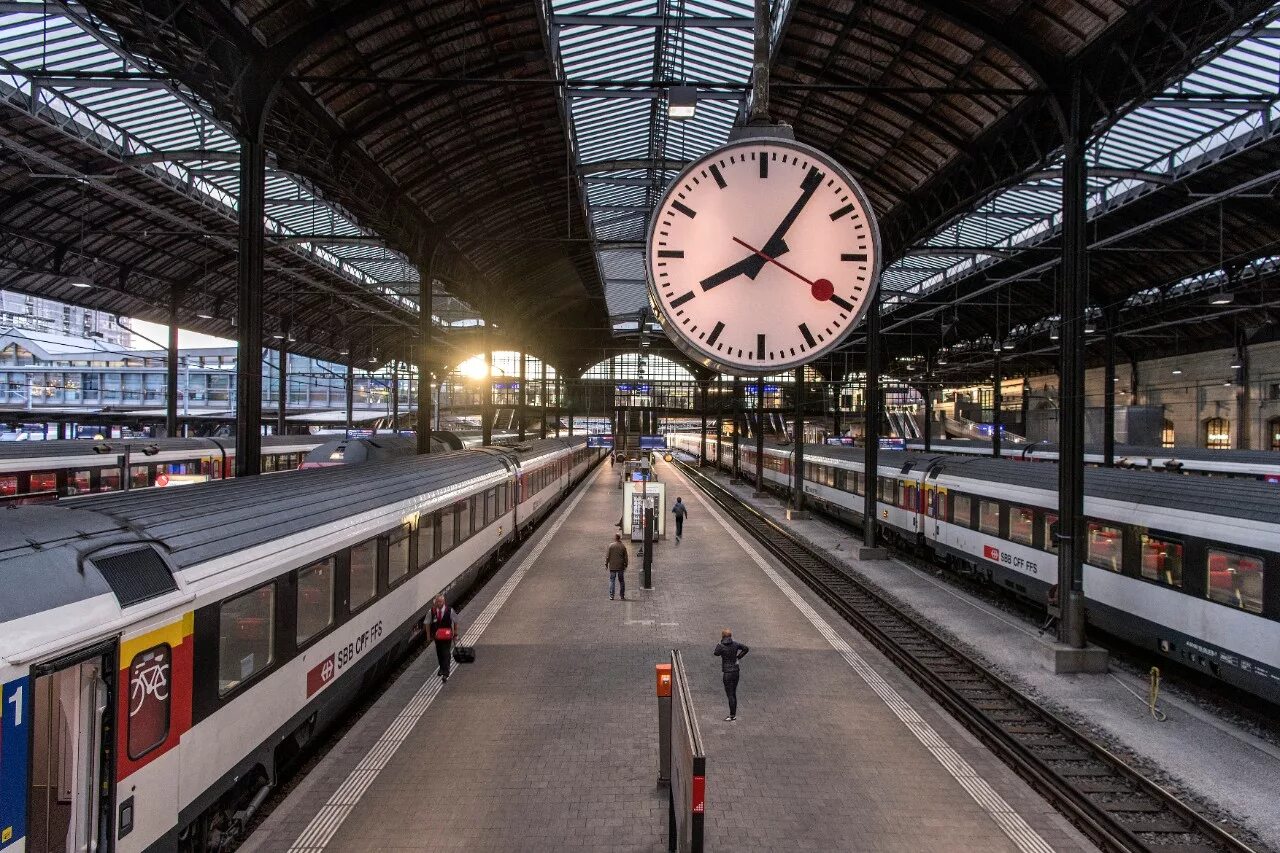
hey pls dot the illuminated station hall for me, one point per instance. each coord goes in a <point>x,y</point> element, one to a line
<point>714,426</point>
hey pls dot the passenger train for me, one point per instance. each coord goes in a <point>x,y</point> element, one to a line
<point>33,472</point>
<point>165,655</point>
<point>1250,464</point>
<point>1187,567</point>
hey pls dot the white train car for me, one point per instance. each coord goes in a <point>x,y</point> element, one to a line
<point>165,655</point>
<point>1187,567</point>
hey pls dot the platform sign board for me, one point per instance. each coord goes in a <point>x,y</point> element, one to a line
<point>600,441</point>
<point>687,803</point>
<point>653,442</point>
<point>893,444</point>
<point>633,502</point>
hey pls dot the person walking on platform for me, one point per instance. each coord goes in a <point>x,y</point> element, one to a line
<point>615,560</point>
<point>680,510</point>
<point>443,628</point>
<point>730,653</point>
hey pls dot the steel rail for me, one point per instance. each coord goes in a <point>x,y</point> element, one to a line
<point>1113,804</point>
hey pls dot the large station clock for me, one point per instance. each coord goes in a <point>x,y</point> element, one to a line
<point>762,256</point>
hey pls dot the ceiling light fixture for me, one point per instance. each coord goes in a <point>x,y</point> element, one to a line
<point>205,316</point>
<point>83,285</point>
<point>1177,371</point>
<point>682,102</point>
<point>1221,298</point>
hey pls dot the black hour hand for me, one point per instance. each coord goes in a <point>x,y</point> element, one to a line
<point>746,266</point>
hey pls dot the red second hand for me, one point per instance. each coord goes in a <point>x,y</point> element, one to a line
<point>821,289</point>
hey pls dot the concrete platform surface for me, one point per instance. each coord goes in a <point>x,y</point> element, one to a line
<point>549,741</point>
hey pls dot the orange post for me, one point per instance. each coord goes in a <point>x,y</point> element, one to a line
<point>663,673</point>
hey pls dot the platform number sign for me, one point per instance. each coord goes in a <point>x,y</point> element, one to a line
<point>15,724</point>
<point>762,255</point>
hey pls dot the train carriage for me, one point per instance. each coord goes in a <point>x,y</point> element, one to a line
<point>1187,567</point>
<point>183,648</point>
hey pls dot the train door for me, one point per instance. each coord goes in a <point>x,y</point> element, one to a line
<point>69,795</point>
<point>935,506</point>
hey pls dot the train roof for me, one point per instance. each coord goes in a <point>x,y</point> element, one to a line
<point>18,450</point>
<point>1242,499</point>
<point>1135,453</point>
<point>42,548</point>
<point>543,446</point>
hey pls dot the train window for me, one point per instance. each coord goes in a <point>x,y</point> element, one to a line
<point>962,510</point>
<point>1050,527</point>
<point>1022,525</point>
<point>246,637</point>
<point>110,481</point>
<point>364,574</point>
<point>268,463</point>
<point>447,530</point>
<point>1235,580</point>
<point>859,484</point>
<point>504,495</point>
<point>140,476</point>
<point>150,678</point>
<point>8,485</point>
<point>79,483</point>
<point>989,517</point>
<point>398,554</point>
<point>426,540</point>
<point>43,481</point>
<point>909,501</point>
<point>315,599</point>
<point>490,506</point>
<point>1106,545</point>
<point>1161,560</point>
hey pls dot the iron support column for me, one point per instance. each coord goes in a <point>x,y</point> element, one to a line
<point>759,435</point>
<point>486,395</point>
<point>997,413</point>
<point>1073,294</point>
<point>351,389</point>
<point>871,433</point>
<point>559,391</point>
<point>836,426</point>
<point>171,369</point>
<point>395,396</point>
<point>797,491</point>
<point>928,406</point>
<point>422,433</point>
<point>282,399</point>
<point>522,399</point>
<point>252,209</point>
<point>702,405</point>
<point>737,426</point>
<point>542,394</point>
<point>1109,395</point>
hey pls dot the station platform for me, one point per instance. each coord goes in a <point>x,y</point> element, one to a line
<point>550,740</point>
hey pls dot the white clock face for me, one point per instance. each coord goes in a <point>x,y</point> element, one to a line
<point>762,256</point>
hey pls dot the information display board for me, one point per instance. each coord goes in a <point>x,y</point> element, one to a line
<point>653,442</point>
<point>600,441</point>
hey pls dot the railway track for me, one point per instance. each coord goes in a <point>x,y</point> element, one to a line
<point>1114,805</point>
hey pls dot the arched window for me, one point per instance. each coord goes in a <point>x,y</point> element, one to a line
<point>1273,428</point>
<point>1166,434</point>
<point>1217,434</point>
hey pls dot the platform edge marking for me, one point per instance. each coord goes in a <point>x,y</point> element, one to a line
<point>329,819</point>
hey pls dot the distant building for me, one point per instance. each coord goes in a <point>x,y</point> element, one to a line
<point>20,311</point>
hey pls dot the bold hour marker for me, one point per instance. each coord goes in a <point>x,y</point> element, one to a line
<point>857,257</point>
<point>760,347</point>
<point>808,337</point>
<point>691,213</point>
<point>680,300</point>
<point>848,208</point>
<point>764,165</point>
<point>679,253</point>
<point>715,173</point>
<point>842,303</point>
<point>715,334</point>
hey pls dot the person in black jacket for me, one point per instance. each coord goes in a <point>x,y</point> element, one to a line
<point>730,653</point>
<point>440,619</point>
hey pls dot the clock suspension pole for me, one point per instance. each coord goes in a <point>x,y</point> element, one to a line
<point>997,382</point>
<point>523,399</point>
<point>759,492</point>
<point>760,66</point>
<point>871,459</point>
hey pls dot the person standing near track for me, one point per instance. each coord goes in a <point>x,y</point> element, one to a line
<point>443,629</point>
<point>615,560</point>
<point>730,652</point>
<point>680,510</point>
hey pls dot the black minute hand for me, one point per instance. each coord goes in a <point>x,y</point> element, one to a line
<point>775,245</point>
